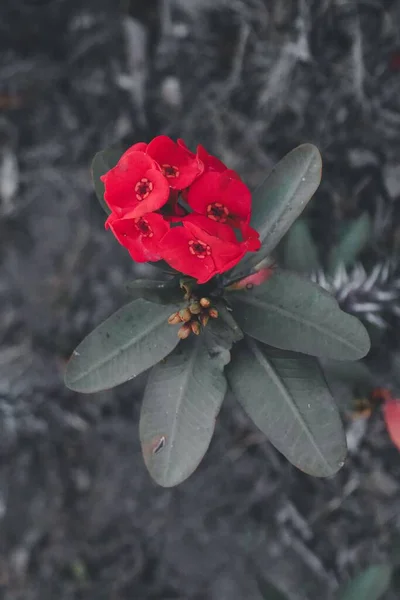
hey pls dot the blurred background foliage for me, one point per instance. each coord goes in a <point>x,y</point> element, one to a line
<point>250,79</point>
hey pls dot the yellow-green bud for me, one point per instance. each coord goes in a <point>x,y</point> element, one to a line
<point>185,315</point>
<point>184,331</point>
<point>204,318</point>
<point>195,325</point>
<point>195,308</point>
<point>205,302</point>
<point>174,319</point>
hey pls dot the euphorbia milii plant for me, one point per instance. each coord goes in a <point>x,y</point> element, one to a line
<point>221,313</point>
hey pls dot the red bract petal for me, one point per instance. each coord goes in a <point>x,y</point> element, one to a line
<point>177,165</point>
<point>182,145</point>
<point>197,223</point>
<point>221,198</point>
<point>251,238</point>
<point>391,413</point>
<point>201,248</point>
<point>211,163</point>
<point>252,280</point>
<point>135,184</point>
<point>187,254</point>
<point>156,198</point>
<point>138,147</point>
<point>141,235</point>
<point>232,174</point>
<point>226,250</point>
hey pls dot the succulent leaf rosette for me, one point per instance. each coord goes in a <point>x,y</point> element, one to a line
<point>222,313</point>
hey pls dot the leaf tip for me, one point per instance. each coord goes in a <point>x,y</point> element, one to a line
<point>314,158</point>
<point>364,341</point>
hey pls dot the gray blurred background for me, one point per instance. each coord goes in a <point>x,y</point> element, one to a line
<point>251,79</point>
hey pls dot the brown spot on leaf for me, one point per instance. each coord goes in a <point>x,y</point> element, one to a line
<point>158,445</point>
<point>152,447</point>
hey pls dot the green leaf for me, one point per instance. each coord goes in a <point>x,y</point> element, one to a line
<point>132,340</point>
<point>182,399</point>
<point>160,292</point>
<point>287,397</point>
<point>293,313</point>
<point>348,381</point>
<point>355,374</point>
<point>353,242</point>
<point>280,199</point>
<point>223,332</point>
<point>102,162</point>
<point>269,591</point>
<point>300,252</point>
<point>164,267</point>
<point>371,584</point>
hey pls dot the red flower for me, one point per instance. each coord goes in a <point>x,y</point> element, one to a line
<point>140,235</point>
<point>135,185</point>
<point>159,175</point>
<point>221,198</point>
<point>210,162</point>
<point>201,248</point>
<point>177,165</point>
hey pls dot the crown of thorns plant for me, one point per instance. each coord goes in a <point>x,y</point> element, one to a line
<point>221,313</point>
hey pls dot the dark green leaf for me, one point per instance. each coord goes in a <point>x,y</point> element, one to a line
<point>293,313</point>
<point>164,266</point>
<point>280,199</point>
<point>348,380</point>
<point>223,332</point>
<point>287,397</point>
<point>355,374</point>
<point>160,292</point>
<point>300,252</point>
<point>371,584</point>
<point>102,162</point>
<point>351,244</point>
<point>183,396</point>
<point>269,591</point>
<point>395,555</point>
<point>133,339</point>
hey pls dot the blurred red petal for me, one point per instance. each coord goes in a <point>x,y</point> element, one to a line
<point>252,280</point>
<point>391,413</point>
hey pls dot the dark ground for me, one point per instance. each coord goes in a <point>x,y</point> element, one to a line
<point>79,515</point>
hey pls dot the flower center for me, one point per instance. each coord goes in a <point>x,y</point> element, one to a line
<point>217,212</point>
<point>199,249</point>
<point>143,188</point>
<point>170,171</point>
<point>144,227</point>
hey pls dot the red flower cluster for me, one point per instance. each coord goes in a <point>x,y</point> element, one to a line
<point>169,203</point>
